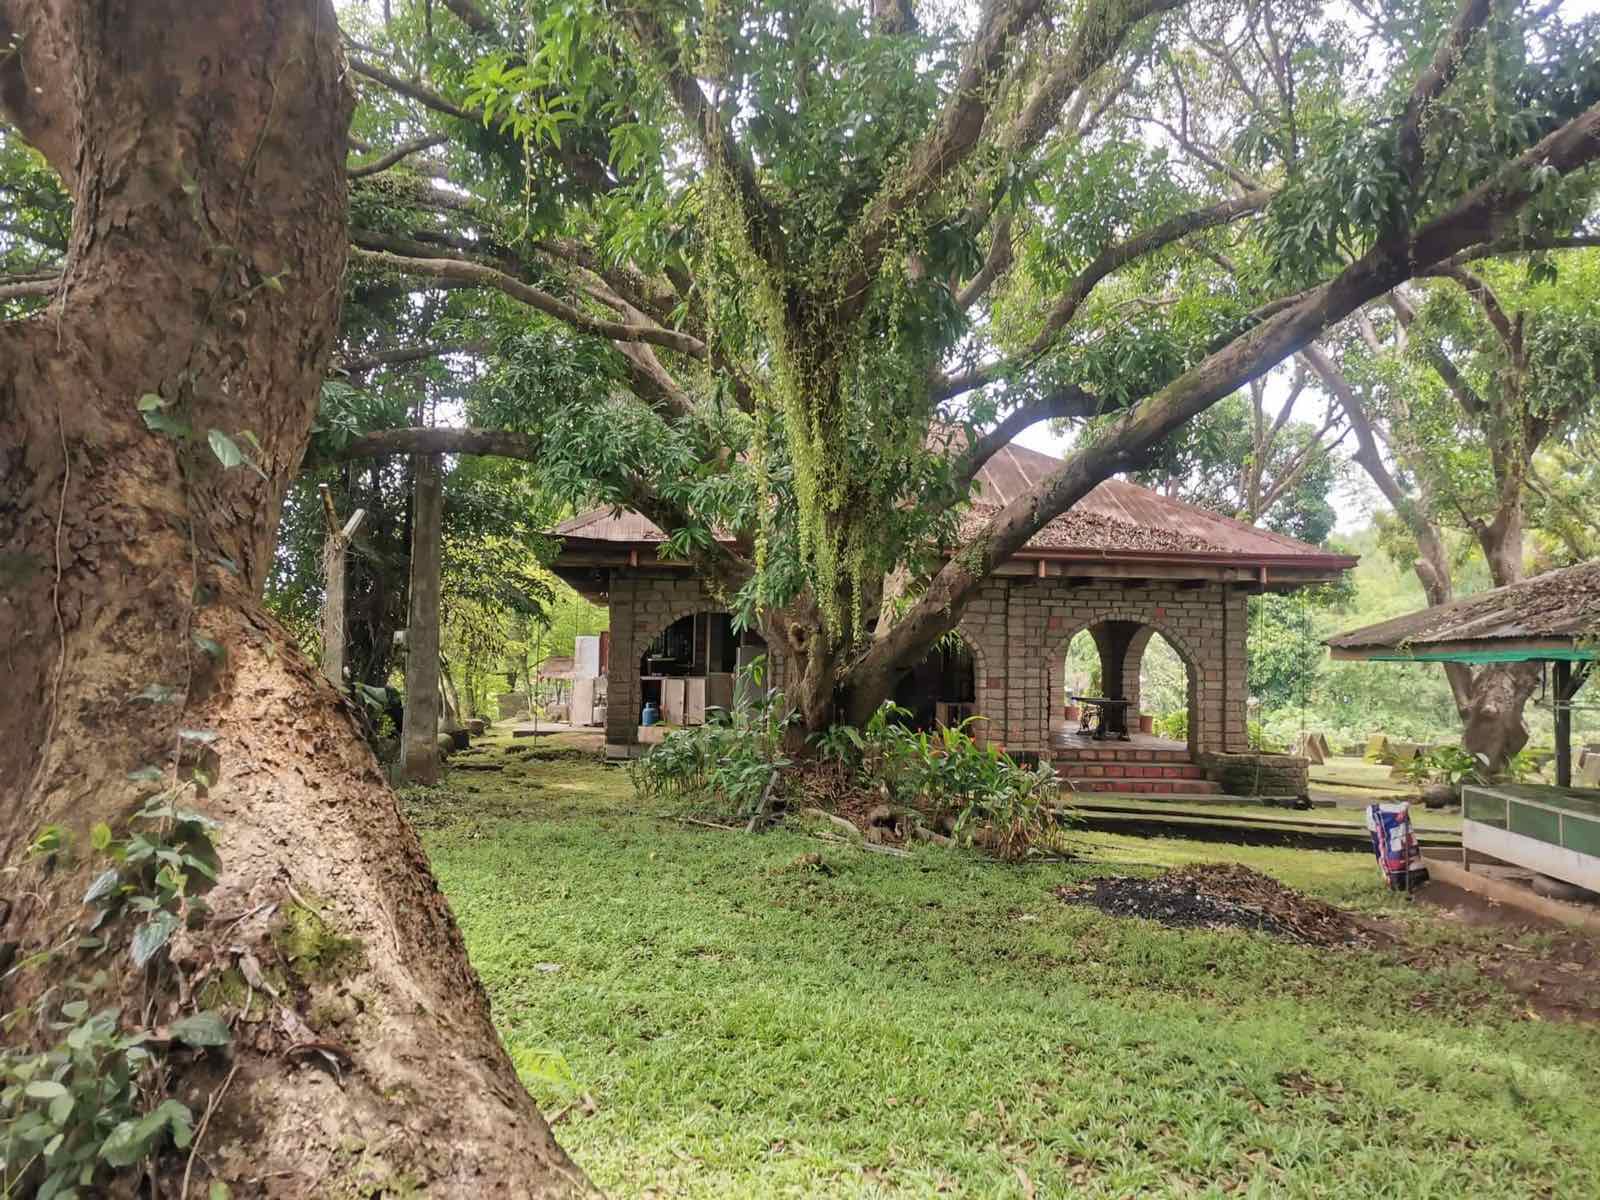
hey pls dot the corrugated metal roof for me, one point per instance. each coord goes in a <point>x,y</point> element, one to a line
<point>1561,606</point>
<point>1116,518</point>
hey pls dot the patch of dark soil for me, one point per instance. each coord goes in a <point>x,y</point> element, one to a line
<point>1557,977</point>
<point>1217,896</point>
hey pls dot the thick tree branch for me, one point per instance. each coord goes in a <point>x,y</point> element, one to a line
<point>411,354</point>
<point>503,443</point>
<point>399,152</point>
<point>464,271</point>
<point>423,95</point>
<point>1522,245</point>
<point>1060,403</point>
<point>1111,259</point>
<point>1480,216</point>
<point>995,264</point>
<point>33,59</point>
<point>44,285</point>
<point>949,143</point>
<point>1156,238</point>
<point>723,153</point>
<point>1430,85</point>
<point>1100,34</point>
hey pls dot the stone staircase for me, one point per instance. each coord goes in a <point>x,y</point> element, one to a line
<point>1129,769</point>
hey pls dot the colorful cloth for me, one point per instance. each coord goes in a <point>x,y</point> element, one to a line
<point>1395,845</point>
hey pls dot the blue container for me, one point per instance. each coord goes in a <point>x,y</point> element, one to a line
<point>651,714</point>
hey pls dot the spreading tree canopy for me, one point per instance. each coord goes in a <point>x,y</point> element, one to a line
<point>819,262</point>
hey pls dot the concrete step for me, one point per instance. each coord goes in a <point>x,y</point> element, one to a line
<point>1074,770</point>
<point>1148,787</point>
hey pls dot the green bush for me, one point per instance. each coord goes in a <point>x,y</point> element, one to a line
<point>945,772</point>
<point>91,1100</point>
<point>1174,725</point>
<point>729,760</point>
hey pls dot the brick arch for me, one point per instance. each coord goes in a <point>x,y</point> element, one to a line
<point>988,688</point>
<point>647,632</point>
<point>641,608</point>
<point>1149,625</point>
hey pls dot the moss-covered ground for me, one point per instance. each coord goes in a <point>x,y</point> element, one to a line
<point>710,1014</point>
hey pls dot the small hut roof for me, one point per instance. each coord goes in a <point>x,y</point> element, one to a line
<point>556,667</point>
<point>1549,616</point>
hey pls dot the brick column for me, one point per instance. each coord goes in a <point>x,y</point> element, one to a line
<point>1236,689</point>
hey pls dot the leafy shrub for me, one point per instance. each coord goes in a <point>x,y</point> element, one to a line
<point>1174,725</point>
<point>730,759</point>
<point>945,772</point>
<point>91,1099</point>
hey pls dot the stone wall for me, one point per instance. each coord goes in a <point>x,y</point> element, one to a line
<point>1018,629</point>
<point>1252,774</point>
<point>641,607</point>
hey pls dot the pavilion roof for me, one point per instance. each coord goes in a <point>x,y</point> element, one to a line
<point>1116,519</point>
<point>1552,615</point>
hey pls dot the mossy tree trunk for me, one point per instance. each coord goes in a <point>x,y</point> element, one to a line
<point>203,145</point>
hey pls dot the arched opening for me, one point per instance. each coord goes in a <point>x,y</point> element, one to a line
<point>943,688</point>
<point>1126,661</point>
<point>1165,689</point>
<point>691,665</point>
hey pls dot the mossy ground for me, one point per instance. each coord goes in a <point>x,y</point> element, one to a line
<point>744,1026</point>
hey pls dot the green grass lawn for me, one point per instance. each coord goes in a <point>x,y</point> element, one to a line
<point>941,1024</point>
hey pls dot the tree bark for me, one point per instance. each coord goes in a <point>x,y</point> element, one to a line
<point>1493,724</point>
<point>204,147</point>
<point>419,742</point>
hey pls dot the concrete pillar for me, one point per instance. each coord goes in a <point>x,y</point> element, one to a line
<point>622,675</point>
<point>419,743</point>
<point>334,552</point>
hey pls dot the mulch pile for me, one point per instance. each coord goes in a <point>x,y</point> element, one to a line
<point>1220,895</point>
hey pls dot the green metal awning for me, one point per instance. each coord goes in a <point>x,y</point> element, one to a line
<point>1477,657</point>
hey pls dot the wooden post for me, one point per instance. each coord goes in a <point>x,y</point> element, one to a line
<point>333,562</point>
<point>1562,686</point>
<point>419,744</point>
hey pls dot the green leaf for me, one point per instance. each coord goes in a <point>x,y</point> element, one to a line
<point>226,449</point>
<point>60,1110</point>
<point>151,936</point>
<point>158,422</point>
<point>150,402</point>
<point>124,1146</point>
<point>202,1029</point>
<point>45,1089</point>
<point>104,884</point>
<point>100,836</point>
<point>145,774</point>
<point>218,1191</point>
<point>211,647</point>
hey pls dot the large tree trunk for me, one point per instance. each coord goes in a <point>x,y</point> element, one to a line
<point>204,147</point>
<point>1493,724</point>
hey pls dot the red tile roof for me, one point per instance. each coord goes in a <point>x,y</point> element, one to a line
<point>1116,518</point>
